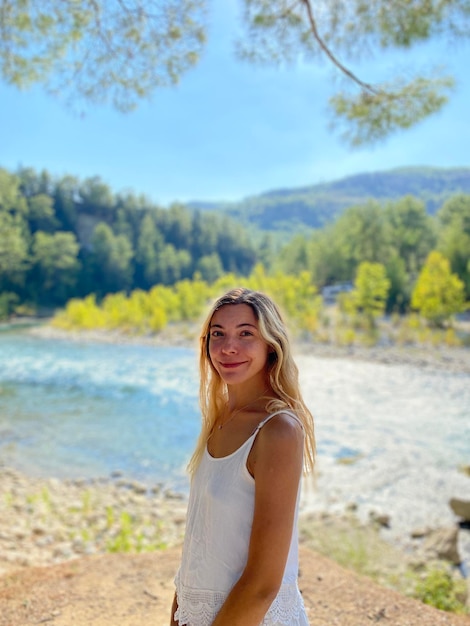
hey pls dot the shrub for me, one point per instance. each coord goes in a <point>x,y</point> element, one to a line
<point>440,590</point>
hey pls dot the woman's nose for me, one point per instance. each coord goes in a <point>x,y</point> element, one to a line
<point>229,345</point>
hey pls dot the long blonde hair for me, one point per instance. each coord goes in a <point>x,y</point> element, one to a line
<point>282,370</point>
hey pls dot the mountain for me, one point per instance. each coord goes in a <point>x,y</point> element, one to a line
<point>292,210</point>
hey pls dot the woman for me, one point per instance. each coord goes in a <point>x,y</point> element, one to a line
<point>239,565</point>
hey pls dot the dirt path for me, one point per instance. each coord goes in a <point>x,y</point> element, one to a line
<point>136,590</point>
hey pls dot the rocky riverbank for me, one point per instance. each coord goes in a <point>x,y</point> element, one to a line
<point>49,521</point>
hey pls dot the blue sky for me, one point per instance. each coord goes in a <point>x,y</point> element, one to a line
<point>229,130</point>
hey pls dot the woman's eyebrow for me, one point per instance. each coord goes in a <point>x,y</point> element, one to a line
<point>237,326</point>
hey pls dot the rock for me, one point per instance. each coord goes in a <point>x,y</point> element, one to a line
<point>63,551</point>
<point>382,519</point>
<point>465,469</point>
<point>461,508</point>
<point>442,544</point>
<point>173,495</point>
<point>419,533</point>
<point>137,487</point>
<point>80,482</point>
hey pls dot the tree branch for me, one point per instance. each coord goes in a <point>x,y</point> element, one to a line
<point>313,27</point>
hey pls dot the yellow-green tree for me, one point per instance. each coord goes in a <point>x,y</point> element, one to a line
<point>438,294</point>
<point>370,290</point>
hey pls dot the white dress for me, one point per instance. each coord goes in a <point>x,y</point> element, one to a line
<point>216,543</point>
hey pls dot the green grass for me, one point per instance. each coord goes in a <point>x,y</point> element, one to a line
<point>361,549</point>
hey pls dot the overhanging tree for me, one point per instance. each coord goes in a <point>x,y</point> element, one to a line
<point>98,51</point>
<point>120,51</point>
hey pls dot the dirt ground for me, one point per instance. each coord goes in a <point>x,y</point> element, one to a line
<point>136,590</point>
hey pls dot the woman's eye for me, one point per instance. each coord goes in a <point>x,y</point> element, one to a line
<point>216,333</point>
<point>246,333</point>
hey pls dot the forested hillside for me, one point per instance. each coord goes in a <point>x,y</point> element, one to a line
<point>290,210</point>
<point>63,238</point>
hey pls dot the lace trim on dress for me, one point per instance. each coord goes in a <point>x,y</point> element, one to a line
<point>198,607</point>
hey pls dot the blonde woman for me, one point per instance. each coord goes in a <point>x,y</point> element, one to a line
<point>240,557</point>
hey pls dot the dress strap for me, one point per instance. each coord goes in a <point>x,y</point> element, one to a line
<point>266,419</point>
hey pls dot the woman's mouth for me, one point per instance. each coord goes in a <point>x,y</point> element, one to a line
<point>231,365</point>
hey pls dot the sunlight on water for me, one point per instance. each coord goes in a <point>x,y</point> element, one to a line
<point>389,437</point>
<point>87,410</point>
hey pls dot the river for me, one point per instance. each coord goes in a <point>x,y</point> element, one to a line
<point>390,438</point>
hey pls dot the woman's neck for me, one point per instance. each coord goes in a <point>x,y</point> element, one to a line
<point>239,398</point>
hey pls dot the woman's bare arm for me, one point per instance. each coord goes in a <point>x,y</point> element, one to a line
<point>277,467</point>
<point>174,606</point>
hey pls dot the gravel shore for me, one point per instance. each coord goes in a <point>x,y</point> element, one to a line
<point>47,521</point>
<point>455,359</point>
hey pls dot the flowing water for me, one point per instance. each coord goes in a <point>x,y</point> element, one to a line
<point>390,437</point>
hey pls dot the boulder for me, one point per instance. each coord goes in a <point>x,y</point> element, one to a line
<point>461,508</point>
<point>441,543</point>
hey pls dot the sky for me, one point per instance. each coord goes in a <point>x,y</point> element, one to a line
<point>229,129</point>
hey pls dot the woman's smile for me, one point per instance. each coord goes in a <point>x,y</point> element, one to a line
<point>231,365</point>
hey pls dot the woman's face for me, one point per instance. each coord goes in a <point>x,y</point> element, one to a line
<point>236,348</point>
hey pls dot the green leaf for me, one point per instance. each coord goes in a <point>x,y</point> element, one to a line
<point>370,117</point>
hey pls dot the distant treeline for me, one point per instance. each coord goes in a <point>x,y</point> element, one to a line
<point>289,210</point>
<point>400,235</point>
<point>62,238</point>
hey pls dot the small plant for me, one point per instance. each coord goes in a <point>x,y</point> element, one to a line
<point>31,498</point>
<point>345,336</point>
<point>440,590</point>
<point>110,517</point>
<point>87,502</point>
<point>451,339</point>
<point>133,536</point>
<point>123,541</point>
<point>46,498</point>
<point>370,338</point>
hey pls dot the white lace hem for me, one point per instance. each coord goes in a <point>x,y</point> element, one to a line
<point>198,607</point>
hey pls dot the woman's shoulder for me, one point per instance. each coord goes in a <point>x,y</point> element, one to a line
<point>279,444</point>
<point>282,426</point>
